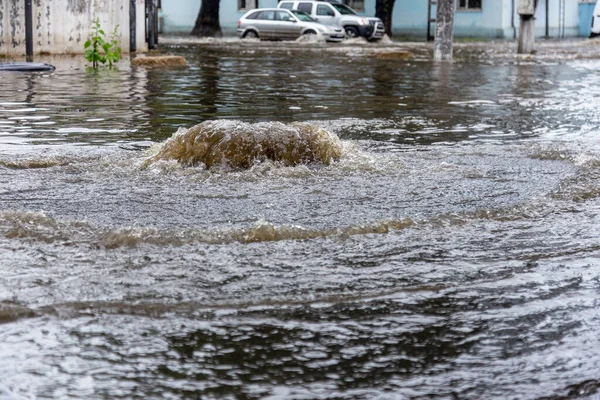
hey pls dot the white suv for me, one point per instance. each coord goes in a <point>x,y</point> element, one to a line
<point>334,13</point>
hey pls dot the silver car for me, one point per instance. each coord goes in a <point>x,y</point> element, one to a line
<point>280,24</point>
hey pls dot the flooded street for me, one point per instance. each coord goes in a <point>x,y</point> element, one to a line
<point>451,251</point>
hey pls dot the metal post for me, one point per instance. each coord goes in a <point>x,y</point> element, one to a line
<point>547,19</point>
<point>29,30</point>
<point>444,31</point>
<point>430,19</point>
<point>151,25</point>
<point>132,27</point>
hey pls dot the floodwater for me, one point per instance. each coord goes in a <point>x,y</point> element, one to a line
<point>450,252</point>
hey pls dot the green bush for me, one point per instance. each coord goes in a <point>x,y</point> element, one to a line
<point>112,51</point>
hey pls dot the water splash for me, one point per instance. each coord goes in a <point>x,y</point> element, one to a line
<point>235,144</point>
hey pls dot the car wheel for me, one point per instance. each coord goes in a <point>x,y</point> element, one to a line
<point>310,33</point>
<point>251,35</point>
<point>351,31</point>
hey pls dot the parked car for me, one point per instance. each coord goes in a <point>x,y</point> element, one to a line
<point>281,24</point>
<point>334,13</point>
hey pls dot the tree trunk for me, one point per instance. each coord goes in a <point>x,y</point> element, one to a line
<point>207,23</point>
<point>383,11</point>
<point>444,31</point>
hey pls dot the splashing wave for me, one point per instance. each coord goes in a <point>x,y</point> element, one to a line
<point>235,144</point>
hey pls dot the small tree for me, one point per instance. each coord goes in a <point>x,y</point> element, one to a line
<point>207,23</point>
<point>112,51</point>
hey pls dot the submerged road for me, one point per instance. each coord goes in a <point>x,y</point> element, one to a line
<point>450,252</point>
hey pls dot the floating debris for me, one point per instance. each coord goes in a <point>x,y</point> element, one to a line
<point>159,61</point>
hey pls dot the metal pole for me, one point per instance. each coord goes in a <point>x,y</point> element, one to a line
<point>132,27</point>
<point>151,25</point>
<point>429,21</point>
<point>547,19</point>
<point>29,30</point>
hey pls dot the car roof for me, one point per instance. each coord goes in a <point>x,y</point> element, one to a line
<point>269,9</point>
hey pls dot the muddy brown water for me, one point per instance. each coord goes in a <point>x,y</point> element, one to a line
<point>452,252</point>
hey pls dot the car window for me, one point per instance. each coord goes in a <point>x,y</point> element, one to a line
<point>283,16</point>
<point>306,7</point>
<point>344,10</point>
<point>323,9</point>
<point>302,16</point>
<point>270,15</point>
<point>254,15</point>
<point>287,6</point>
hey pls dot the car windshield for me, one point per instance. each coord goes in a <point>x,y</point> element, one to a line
<point>302,16</point>
<point>344,10</point>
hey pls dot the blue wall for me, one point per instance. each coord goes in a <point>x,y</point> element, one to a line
<point>179,15</point>
<point>410,20</point>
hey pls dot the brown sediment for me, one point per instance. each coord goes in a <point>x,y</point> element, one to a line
<point>235,144</point>
<point>159,61</point>
<point>258,233</point>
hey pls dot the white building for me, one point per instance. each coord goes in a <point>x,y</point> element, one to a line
<point>63,26</point>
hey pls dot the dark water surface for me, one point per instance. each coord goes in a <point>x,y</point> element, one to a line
<point>451,253</point>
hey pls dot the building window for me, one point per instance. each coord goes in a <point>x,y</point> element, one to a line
<point>356,5</point>
<point>469,5</point>
<point>244,5</point>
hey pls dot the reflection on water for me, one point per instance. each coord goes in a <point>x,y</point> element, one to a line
<point>254,83</point>
<point>449,252</point>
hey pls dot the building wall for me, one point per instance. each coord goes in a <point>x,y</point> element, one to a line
<point>179,16</point>
<point>63,26</point>
<point>571,18</point>
<point>410,20</point>
<point>496,19</point>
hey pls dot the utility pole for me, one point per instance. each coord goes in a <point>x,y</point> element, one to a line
<point>526,11</point>
<point>444,31</point>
